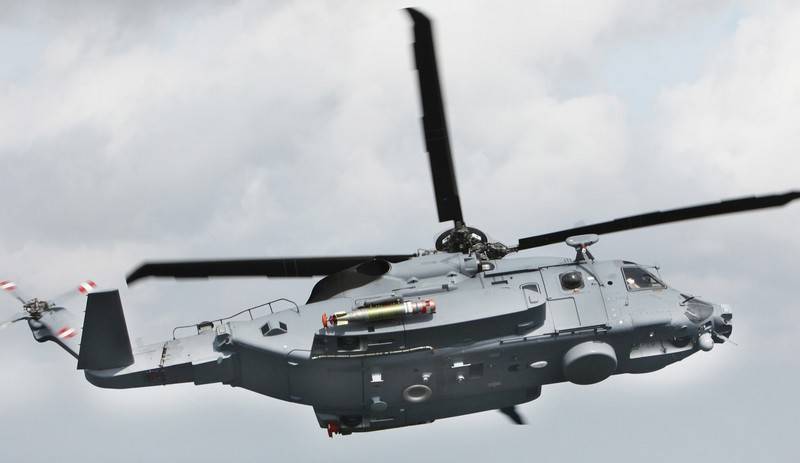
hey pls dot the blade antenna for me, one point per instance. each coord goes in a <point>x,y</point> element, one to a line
<point>513,414</point>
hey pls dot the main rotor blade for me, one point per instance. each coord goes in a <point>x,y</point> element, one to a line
<point>277,267</point>
<point>437,140</point>
<point>661,217</point>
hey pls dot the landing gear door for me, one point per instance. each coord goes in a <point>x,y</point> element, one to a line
<point>574,297</point>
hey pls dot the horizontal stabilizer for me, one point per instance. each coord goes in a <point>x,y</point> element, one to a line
<point>105,343</point>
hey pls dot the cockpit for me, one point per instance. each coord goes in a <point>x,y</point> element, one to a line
<point>638,278</point>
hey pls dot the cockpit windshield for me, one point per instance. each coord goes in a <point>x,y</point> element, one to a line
<point>637,278</point>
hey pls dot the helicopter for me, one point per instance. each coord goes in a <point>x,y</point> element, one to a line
<point>386,341</point>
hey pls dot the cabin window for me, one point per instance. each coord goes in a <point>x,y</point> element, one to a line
<point>637,278</point>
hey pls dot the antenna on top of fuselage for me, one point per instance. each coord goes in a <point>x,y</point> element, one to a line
<point>581,244</point>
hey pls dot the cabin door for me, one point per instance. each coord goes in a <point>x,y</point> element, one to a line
<point>574,297</point>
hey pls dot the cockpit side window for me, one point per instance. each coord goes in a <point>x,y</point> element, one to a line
<point>637,278</point>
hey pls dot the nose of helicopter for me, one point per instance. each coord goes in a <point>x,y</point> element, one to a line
<point>715,320</point>
<point>722,322</point>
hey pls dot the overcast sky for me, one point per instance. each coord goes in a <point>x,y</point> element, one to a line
<point>157,130</point>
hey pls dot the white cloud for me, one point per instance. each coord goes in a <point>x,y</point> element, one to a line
<point>736,127</point>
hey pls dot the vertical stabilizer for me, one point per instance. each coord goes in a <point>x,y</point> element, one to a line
<point>105,343</point>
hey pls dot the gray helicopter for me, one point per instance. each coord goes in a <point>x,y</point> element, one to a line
<point>386,341</point>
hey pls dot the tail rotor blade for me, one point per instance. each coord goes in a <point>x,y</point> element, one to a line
<point>10,288</point>
<point>85,288</point>
<point>17,317</point>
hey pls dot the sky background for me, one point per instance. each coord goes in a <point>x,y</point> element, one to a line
<point>160,130</point>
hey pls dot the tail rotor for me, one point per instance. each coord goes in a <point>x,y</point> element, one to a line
<point>35,308</point>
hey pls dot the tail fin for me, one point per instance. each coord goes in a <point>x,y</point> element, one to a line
<point>105,343</point>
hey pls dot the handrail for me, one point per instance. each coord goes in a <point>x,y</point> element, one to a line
<point>249,311</point>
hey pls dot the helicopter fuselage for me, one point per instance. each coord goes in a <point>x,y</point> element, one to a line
<point>500,331</point>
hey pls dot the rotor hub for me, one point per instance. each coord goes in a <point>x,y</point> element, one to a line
<point>36,307</point>
<point>460,238</point>
<point>466,240</point>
